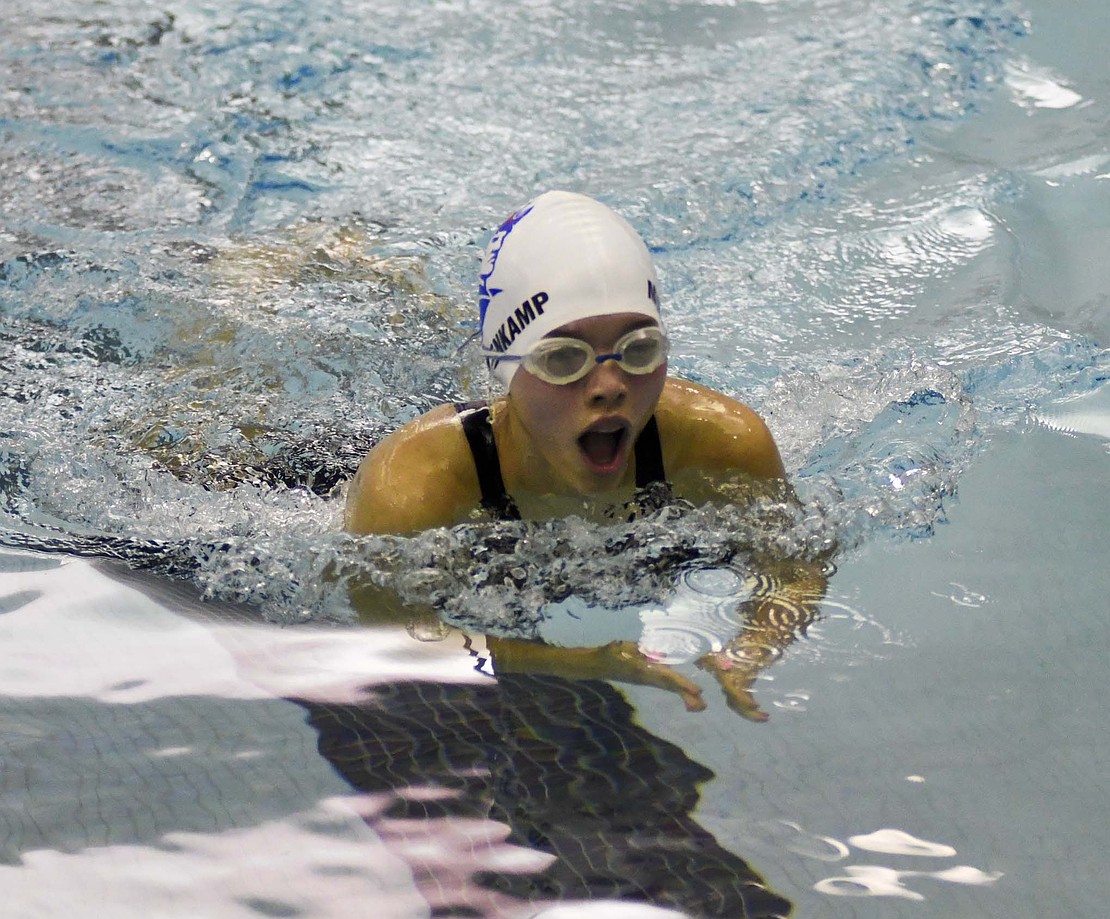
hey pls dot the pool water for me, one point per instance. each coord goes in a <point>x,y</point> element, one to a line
<point>238,244</point>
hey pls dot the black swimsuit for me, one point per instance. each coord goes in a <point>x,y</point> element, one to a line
<point>477,425</point>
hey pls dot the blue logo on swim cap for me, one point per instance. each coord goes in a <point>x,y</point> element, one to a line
<point>485,292</point>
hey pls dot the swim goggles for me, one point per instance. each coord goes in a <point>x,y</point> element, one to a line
<point>565,360</point>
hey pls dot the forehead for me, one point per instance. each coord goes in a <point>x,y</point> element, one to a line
<point>602,327</point>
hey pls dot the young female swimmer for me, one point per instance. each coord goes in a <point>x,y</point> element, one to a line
<point>571,327</point>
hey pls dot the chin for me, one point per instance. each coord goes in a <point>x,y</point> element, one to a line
<point>591,483</point>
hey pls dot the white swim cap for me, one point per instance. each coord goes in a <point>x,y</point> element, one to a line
<point>561,258</point>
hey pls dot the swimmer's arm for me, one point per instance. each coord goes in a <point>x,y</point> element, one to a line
<point>419,477</point>
<point>619,660</point>
<point>773,619</point>
<point>381,606</point>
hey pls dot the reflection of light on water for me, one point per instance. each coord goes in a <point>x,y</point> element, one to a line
<point>1036,86</point>
<point>87,638</point>
<point>1085,165</point>
<point>718,582</point>
<point>878,880</point>
<point>834,611</point>
<point>962,596</point>
<point>875,881</point>
<point>792,701</point>
<point>705,613</point>
<point>897,842</point>
<point>811,845</point>
<point>324,862</point>
<point>82,640</point>
<point>167,752</point>
<point>1087,413</point>
<point>701,616</point>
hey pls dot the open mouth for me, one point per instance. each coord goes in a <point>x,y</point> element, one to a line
<point>603,447</point>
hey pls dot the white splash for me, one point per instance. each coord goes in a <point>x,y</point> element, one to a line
<point>1036,86</point>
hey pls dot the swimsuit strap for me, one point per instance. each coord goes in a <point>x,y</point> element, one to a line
<point>478,427</point>
<point>649,456</point>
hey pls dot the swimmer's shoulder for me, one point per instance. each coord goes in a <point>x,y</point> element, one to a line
<point>418,477</point>
<point>705,430</point>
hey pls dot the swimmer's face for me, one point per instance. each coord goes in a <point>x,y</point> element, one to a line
<point>585,430</point>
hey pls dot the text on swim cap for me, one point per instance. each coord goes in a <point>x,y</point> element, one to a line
<point>518,321</point>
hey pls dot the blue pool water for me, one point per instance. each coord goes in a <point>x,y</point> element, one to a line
<point>237,245</point>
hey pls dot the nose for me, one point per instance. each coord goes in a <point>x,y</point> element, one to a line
<point>606,384</point>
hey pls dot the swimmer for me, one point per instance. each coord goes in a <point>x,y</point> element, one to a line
<point>572,330</point>
<point>589,419</point>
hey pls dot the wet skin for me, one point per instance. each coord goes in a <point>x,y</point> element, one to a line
<point>577,438</point>
<point>574,442</point>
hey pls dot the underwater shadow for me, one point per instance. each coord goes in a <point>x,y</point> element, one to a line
<point>564,766</point>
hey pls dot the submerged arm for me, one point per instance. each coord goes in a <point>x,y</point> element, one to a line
<point>619,660</point>
<point>786,602</point>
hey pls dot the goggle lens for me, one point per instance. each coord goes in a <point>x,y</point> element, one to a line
<point>565,360</point>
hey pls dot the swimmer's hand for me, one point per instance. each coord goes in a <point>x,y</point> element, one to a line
<point>627,662</point>
<point>619,660</point>
<point>736,681</point>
